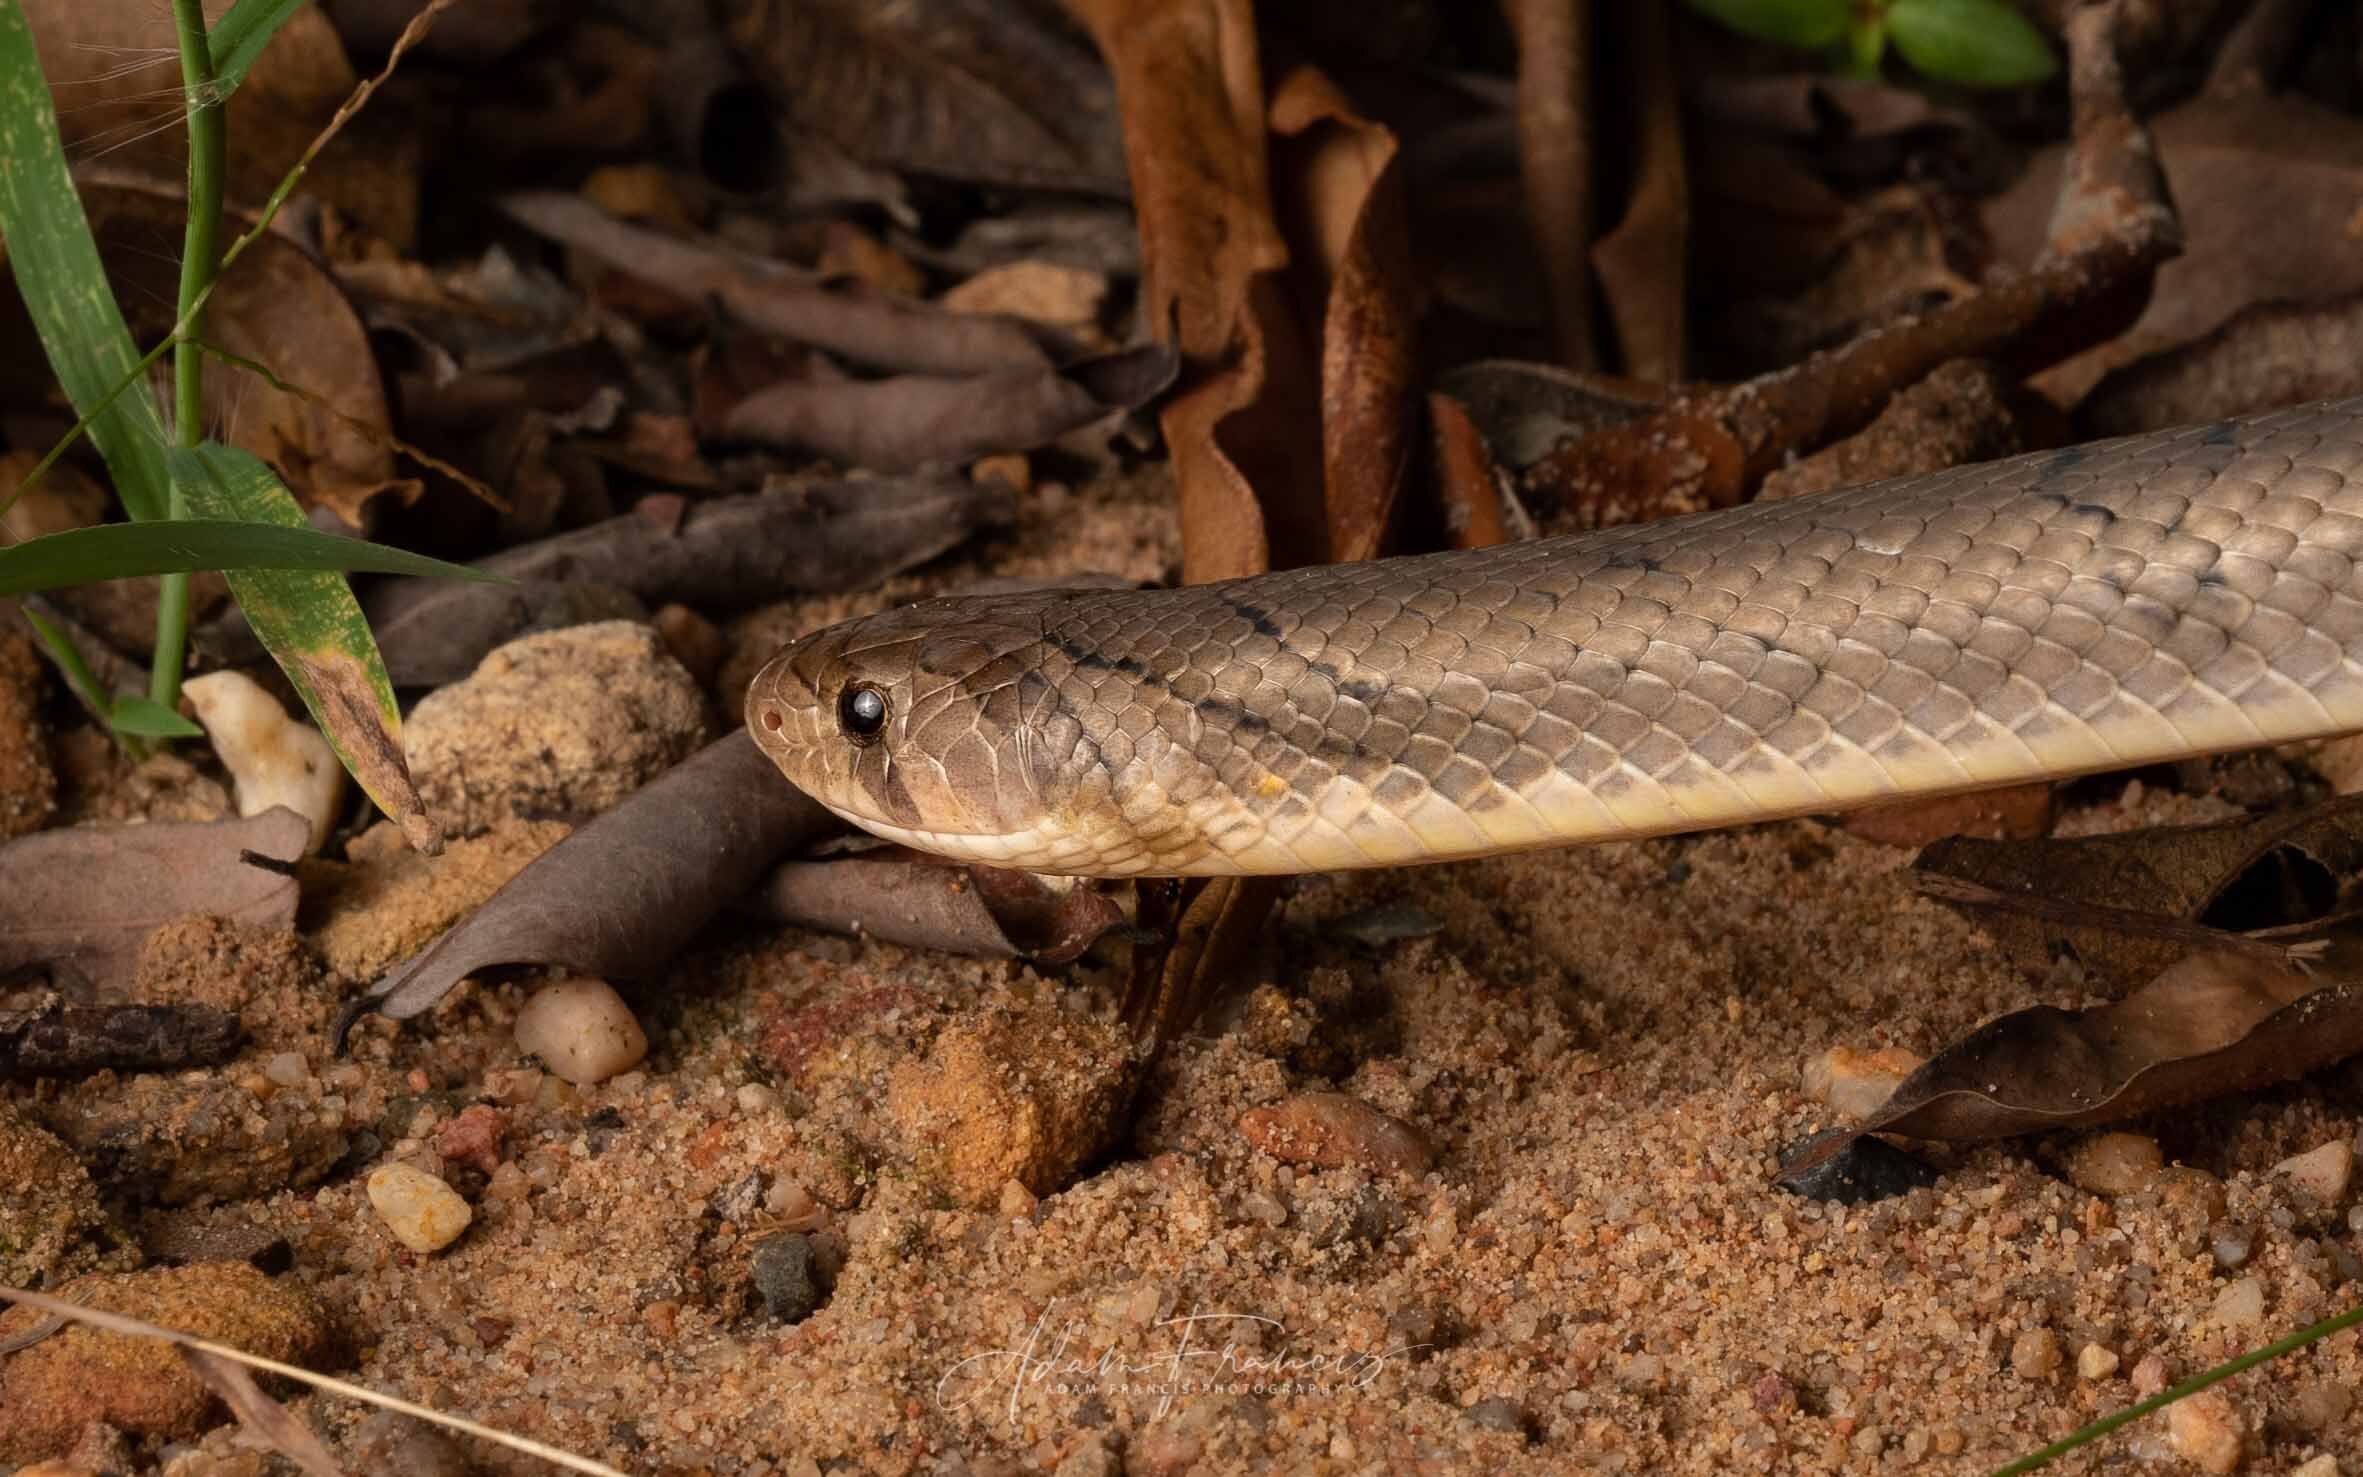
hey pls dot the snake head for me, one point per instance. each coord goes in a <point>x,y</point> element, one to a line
<point>921,724</point>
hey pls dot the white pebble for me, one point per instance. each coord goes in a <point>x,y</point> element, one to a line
<point>2324,1465</point>
<point>2321,1173</point>
<point>754,1098</point>
<point>582,1030</point>
<point>2094,1362</point>
<point>424,1213</point>
<point>273,760</point>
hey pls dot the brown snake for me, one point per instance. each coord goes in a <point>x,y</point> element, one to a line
<point>2119,603</point>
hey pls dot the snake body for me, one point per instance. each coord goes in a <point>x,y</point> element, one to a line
<point>2125,602</point>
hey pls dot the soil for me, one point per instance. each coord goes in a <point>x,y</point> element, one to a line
<point>1606,1049</point>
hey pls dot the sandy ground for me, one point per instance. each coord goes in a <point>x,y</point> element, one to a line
<point>1606,1047</point>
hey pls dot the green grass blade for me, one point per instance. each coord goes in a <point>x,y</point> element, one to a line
<point>2311,1334</point>
<point>313,626</point>
<point>128,550</point>
<point>144,717</point>
<point>56,264</point>
<point>70,664</point>
<point>239,37</point>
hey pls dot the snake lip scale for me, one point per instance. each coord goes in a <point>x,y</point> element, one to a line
<point>2125,602</point>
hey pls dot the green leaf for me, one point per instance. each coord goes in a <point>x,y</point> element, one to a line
<point>144,717</point>
<point>239,37</point>
<point>1804,23</point>
<point>56,264</point>
<point>312,625</point>
<point>1977,43</point>
<point>125,550</point>
<point>69,662</point>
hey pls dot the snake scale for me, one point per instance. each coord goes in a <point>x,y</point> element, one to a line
<point>2130,601</point>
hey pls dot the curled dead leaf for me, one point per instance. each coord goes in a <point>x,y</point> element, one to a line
<point>925,903</point>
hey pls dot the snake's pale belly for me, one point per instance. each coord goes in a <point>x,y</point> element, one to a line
<point>2119,603</point>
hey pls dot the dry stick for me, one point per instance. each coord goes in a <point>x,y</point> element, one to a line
<point>2113,226</point>
<point>1555,161</point>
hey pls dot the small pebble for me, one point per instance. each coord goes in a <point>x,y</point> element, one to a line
<point>2206,1431</point>
<point>2321,1174</point>
<point>754,1099</point>
<point>1856,1084</point>
<point>2190,1196</point>
<point>1017,1202</point>
<point>2240,1306</point>
<point>474,1137</point>
<point>2096,1363</point>
<point>1496,1414</point>
<point>288,1069</point>
<point>1263,1209</point>
<point>2149,1376</point>
<point>1333,1130</point>
<point>582,1030</point>
<point>2116,1164</point>
<point>2324,1465</point>
<point>783,1276</point>
<point>2035,1354</point>
<point>2231,1244</point>
<point>424,1213</point>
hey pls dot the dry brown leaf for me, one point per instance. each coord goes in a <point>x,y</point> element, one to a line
<point>910,421</point>
<point>280,308</point>
<point>1555,160</point>
<point>2231,163</point>
<point>1641,261</point>
<point>2244,938</point>
<point>1190,83</point>
<point>1000,93</point>
<point>1470,485</point>
<point>844,317</point>
<point>115,72</point>
<point>87,897</point>
<point>622,893</point>
<point>2271,354</point>
<point>2128,905</point>
<point>2208,1025</point>
<point>1354,260</point>
<point>924,903</point>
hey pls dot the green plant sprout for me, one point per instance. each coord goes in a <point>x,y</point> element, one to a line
<point>1972,43</point>
<point>194,504</point>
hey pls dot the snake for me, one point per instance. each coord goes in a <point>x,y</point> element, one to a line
<point>2125,602</point>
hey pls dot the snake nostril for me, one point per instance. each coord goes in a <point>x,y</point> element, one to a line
<point>772,719</point>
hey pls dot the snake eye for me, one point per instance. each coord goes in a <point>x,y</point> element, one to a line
<point>861,712</point>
